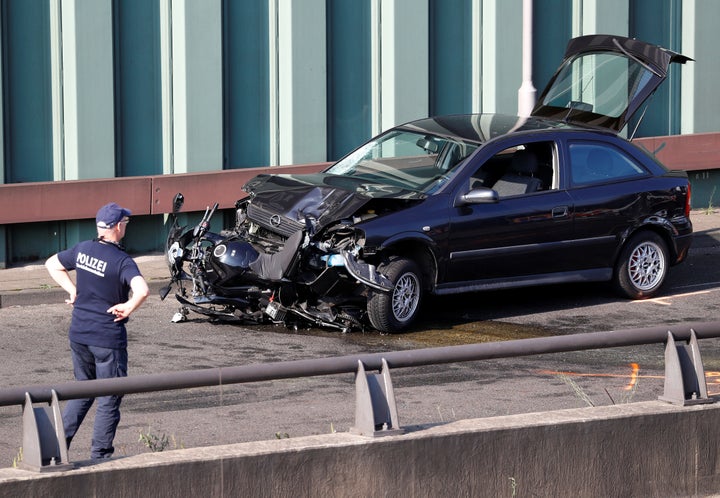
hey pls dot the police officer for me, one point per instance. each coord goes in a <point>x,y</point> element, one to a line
<point>102,302</point>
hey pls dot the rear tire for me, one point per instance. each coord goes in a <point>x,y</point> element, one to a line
<point>396,310</point>
<point>642,266</point>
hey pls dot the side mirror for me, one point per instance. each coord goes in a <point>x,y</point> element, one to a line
<point>481,195</point>
<point>178,202</point>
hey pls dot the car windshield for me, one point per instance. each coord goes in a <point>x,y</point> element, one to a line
<point>406,159</point>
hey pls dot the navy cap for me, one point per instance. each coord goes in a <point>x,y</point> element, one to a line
<point>110,215</point>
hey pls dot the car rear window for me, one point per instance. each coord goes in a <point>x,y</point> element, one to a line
<point>597,163</point>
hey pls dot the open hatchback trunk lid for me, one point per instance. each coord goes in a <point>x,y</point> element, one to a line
<point>603,80</point>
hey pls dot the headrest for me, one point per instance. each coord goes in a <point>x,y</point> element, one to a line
<point>524,161</point>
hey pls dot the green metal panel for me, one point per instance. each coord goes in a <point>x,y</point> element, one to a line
<point>197,85</point>
<point>31,242</point>
<point>147,234</point>
<point>301,82</point>
<point>659,22</point>
<point>450,56</point>
<point>552,28</point>
<point>27,116</point>
<point>705,194</point>
<point>85,89</point>
<point>4,257</point>
<point>138,101</point>
<point>138,109</point>
<point>27,92</point>
<point>246,106</point>
<point>701,111</point>
<point>403,48</point>
<point>501,55</point>
<point>348,86</point>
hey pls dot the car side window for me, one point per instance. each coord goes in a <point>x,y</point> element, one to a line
<point>519,170</point>
<point>596,163</point>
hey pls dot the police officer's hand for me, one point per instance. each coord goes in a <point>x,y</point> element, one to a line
<point>121,311</point>
<point>71,299</point>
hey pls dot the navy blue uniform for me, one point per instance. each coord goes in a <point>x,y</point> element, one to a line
<point>98,343</point>
<point>103,275</point>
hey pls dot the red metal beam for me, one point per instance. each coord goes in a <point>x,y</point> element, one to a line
<point>697,152</point>
<point>223,187</point>
<point>80,199</point>
<point>71,200</point>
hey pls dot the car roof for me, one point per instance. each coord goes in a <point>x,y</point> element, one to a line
<point>481,128</point>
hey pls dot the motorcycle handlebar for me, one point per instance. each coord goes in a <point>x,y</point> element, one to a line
<point>204,224</point>
<point>214,208</point>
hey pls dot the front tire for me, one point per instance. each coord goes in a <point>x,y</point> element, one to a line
<point>396,310</point>
<point>642,266</point>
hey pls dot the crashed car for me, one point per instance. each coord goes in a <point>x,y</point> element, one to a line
<point>453,204</point>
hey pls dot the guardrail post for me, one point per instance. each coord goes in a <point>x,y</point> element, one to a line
<point>375,410</point>
<point>684,373</point>
<point>44,444</point>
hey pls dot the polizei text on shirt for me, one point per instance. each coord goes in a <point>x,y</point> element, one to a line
<point>91,264</point>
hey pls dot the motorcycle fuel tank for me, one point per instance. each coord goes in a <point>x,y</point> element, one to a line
<point>234,256</point>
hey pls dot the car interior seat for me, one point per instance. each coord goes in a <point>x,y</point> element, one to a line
<point>490,172</point>
<point>544,153</point>
<point>520,178</point>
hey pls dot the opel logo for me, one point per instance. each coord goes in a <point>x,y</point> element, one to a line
<point>275,220</point>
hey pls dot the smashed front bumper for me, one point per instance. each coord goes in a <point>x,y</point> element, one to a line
<point>365,273</point>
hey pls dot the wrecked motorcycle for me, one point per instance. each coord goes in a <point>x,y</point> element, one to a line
<point>264,270</point>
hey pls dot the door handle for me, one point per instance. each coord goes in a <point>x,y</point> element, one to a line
<point>560,212</point>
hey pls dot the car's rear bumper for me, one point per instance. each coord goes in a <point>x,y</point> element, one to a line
<point>682,247</point>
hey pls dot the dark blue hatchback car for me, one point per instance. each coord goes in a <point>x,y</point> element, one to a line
<point>462,203</point>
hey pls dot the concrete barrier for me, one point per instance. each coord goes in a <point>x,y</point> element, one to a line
<point>638,449</point>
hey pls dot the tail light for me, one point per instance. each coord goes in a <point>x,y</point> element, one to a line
<point>688,198</point>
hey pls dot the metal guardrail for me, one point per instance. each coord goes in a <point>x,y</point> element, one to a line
<point>376,414</point>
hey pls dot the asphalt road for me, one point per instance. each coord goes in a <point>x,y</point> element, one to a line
<point>35,351</point>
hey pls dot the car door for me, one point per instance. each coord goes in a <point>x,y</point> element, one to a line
<point>520,235</point>
<point>608,188</point>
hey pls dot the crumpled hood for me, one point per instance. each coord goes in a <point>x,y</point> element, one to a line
<point>300,196</point>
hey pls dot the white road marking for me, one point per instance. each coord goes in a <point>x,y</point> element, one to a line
<point>665,300</point>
